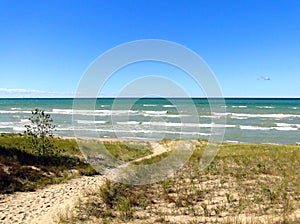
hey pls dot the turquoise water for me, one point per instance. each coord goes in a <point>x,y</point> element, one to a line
<point>248,120</point>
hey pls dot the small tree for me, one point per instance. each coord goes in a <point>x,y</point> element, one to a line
<point>40,130</point>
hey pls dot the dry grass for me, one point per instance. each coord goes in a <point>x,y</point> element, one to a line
<point>244,184</point>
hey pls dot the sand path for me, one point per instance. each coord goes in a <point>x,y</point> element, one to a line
<point>43,205</point>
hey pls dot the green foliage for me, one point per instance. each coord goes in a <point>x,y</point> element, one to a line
<point>121,197</point>
<point>87,171</point>
<point>40,132</point>
<point>153,159</point>
<point>129,151</point>
<point>23,170</point>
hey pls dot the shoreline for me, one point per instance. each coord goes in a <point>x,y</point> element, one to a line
<point>111,139</point>
<point>227,142</point>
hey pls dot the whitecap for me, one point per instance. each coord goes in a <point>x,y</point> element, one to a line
<point>173,124</point>
<point>239,106</point>
<point>92,112</point>
<point>150,131</point>
<point>231,141</point>
<point>149,105</point>
<point>245,127</point>
<point>265,115</point>
<point>239,118</point>
<point>155,112</point>
<point>165,115</point>
<point>286,128</point>
<point>19,129</point>
<point>169,106</point>
<point>208,116</point>
<point>14,112</point>
<point>220,114</point>
<point>265,107</point>
<point>288,125</point>
<point>128,122</point>
<point>25,121</point>
<point>277,116</point>
<point>90,122</point>
<point>8,125</point>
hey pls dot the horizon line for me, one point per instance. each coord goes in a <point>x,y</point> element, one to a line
<point>49,98</point>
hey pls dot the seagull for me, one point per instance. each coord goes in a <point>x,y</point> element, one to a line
<point>266,78</point>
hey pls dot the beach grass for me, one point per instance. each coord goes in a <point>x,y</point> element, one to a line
<point>246,183</point>
<point>21,169</point>
<point>125,151</point>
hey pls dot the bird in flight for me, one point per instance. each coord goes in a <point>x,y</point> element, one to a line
<point>265,78</point>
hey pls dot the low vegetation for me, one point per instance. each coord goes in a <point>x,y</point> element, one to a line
<point>23,168</point>
<point>40,132</point>
<point>246,183</point>
<point>34,159</point>
<point>124,151</point>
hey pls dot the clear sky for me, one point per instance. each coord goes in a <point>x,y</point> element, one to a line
<point>253,47</point>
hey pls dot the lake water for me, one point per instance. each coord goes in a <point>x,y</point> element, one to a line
<point>247,120</point>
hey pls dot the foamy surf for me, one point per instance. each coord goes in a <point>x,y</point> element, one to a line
<point>248,120</point>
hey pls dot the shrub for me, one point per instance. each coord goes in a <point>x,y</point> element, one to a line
<point>40,130</point>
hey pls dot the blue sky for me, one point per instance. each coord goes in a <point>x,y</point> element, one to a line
<point>253,47</point>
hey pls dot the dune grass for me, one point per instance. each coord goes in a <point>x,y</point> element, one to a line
<point>21,169</point>
<point>246,183</point>
<point>125,151</point>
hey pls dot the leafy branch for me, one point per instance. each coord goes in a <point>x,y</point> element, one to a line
<point>40,130</point>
